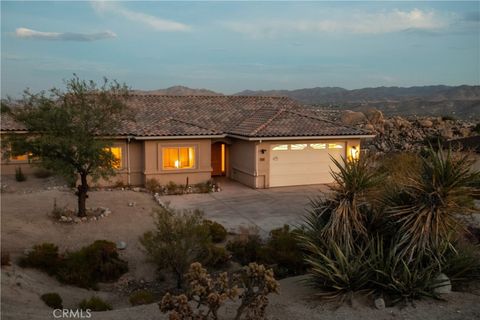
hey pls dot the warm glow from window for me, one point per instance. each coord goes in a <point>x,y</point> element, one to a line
<point>280,147</point>
<point>178,158</point>
<point>335,146</point>
<point>117,155</point>
<point>298,146</point>
<point>318,146</point>
<point>22,157</point>
<point>223,157</point>
<point>355,153</point>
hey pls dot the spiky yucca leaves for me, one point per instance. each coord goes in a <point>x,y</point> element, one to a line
<point>426,209</point>
<point>341,215</point>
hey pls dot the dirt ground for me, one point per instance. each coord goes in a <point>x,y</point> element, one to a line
<point>25,222</point>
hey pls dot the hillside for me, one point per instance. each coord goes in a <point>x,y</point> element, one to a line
<point>179,91</point>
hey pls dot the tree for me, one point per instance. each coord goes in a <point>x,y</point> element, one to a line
<point>67,130</point>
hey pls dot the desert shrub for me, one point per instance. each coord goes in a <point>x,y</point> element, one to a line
<point>53,300</point>
<point>208,294</point>
<point>448,118</point>
<point>44,257</point>
<point>218,233</point>
<point>203,187</point>
<point>462,264</point>
<point>5,258</point>
<point>216,256</point>
<point>283,250</point>
<point>153,185</point>
<point>476,129</point>
<point>246,248</point>
<point>41,173</point>
<point>398,167</point>
<point>180,237</point>
<point>172,188</point>
<point>94,304</point>
<point>119,184</point>
<point>98,262</point>
<point>19,176</point>
<point>141,297</point>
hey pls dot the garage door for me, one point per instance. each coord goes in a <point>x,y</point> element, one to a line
<point>303,163</point>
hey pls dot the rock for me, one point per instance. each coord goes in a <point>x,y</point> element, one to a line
<point>63,219</point>
<point>349,117</point>
<point>379,303</point>
<point>83,219</point>
<point>369,127</point>
<point>132,204</point>
<point>447,133</point>
<point>426,123</point>
<point>27,251</point>
<point>374,116</point>
<point>136,189</point>
<point>77,220</point>
<point>121,245</point>
<point>443,284</point>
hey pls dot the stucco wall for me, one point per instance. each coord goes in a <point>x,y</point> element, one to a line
<point>153,161</point>
<point>242,162</point>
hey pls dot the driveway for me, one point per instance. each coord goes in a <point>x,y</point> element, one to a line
<point>239,206</point>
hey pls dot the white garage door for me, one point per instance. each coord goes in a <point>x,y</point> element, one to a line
<point>303,163</point>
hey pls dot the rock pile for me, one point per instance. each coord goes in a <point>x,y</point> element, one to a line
<point>402,133</point>
<point>95,214</point>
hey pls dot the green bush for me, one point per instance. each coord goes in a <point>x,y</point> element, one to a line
<point>462,265</point>
<point>216,256</point>
<point>141,297</point>
<point>246,249</point>
<point>153,185</point>
<point>53,300</point>
<point>98,262</point>
<point>19,176</point>
<point>218,233</point>
<point>94,304</point>
<point>41,173</point>
<point>448,118</point>
<point>44,257</point>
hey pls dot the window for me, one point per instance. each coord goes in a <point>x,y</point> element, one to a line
<point>178,158</point>
<point>298,146</point>
<point>22,157</point>
<point>280,147</point>
<point>318,146</point>
<point>335,146</point>
<point>117,154</point>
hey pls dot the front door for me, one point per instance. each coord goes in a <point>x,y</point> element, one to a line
<point>218,159</point>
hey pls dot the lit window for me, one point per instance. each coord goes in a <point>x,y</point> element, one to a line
<point>335,146</point>
<point>21,157</point>
<point>318,146</point>
<point>117,154</point>
<point>178,158</point>
<point>298,146</point>
<point>280,147</point>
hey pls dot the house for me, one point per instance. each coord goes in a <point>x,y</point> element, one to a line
<point>261,142</point>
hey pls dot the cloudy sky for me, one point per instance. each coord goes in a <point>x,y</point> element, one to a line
<point>232,46</point>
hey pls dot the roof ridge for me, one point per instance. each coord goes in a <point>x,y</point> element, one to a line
<point>194,124</point>
<point>263,125</point>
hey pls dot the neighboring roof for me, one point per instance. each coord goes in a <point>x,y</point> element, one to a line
<point>249,117</point>
<point>466,144</point>
<point>7,123</point>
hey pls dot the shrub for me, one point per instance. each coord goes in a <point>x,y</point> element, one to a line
<point>216,256</point>
<point>180,237</point>
<point>462,264</point>
<point>172,188</point>
<point>19,176</point>
<point>448,118</point>
<point>246,249</point>
<point>153,185</point>
<point>41,173</point>
<point>98,262</point>
<point>141,297</point>
<point>203,187</point>
<point>94,304</point>
<point>44,257</point>
<point>218,233</point>
<point>53,300</point>
<point>5,258</point>
<point>476,129</point>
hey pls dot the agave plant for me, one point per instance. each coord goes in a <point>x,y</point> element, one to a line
<point>426,211</point>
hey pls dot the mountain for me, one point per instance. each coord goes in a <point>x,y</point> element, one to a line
<point>179,91</point>
<point>460,101</point>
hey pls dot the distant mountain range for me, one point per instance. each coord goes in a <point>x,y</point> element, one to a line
<point>180,91</point>
<point>459,101</point>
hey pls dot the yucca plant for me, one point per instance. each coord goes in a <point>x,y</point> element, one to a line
<point>427,207</point>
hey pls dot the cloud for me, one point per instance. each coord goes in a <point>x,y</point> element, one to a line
<point>62,36</point>
<point>153,22</point>
<point>359,23</point>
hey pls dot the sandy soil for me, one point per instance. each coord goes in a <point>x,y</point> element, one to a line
<point>25,222</point>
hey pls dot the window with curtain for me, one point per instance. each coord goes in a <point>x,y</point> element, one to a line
<point>178,157</point>
<point>117,154</point>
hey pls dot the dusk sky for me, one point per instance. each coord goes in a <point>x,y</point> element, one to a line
<point>232,46</point>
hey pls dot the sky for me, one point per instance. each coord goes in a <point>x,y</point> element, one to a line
<point>233,46</point>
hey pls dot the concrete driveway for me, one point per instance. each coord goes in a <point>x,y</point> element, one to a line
<point>237,205</point>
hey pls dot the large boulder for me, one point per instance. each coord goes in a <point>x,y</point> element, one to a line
<point>374,116</point>
<point>349,117</point>
<point>425,123</point>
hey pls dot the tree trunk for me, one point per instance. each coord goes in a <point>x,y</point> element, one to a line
<point>82,195</point>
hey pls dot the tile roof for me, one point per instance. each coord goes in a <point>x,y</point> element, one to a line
<point>7,123</point>
<point>253,117</point>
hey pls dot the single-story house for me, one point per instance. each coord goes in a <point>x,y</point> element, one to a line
<point>261,142</point>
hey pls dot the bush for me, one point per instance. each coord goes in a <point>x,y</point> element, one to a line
<point>172,188</point>
<point>153,185</point>
<point>476,129</point>
<point>246,249</point>
<point>94,304</point>
<point>216,257</point>
<point>98,262</point>
<point>53,300</point>
<point>19,176</point>
<point>41,173</point>
<point>462,265</point>
<point>141,297</point>
<point>179,239</point>
<point>44,257</point>
<point>5,258</point>
<point>448,118</point>
<point>218,233</point>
